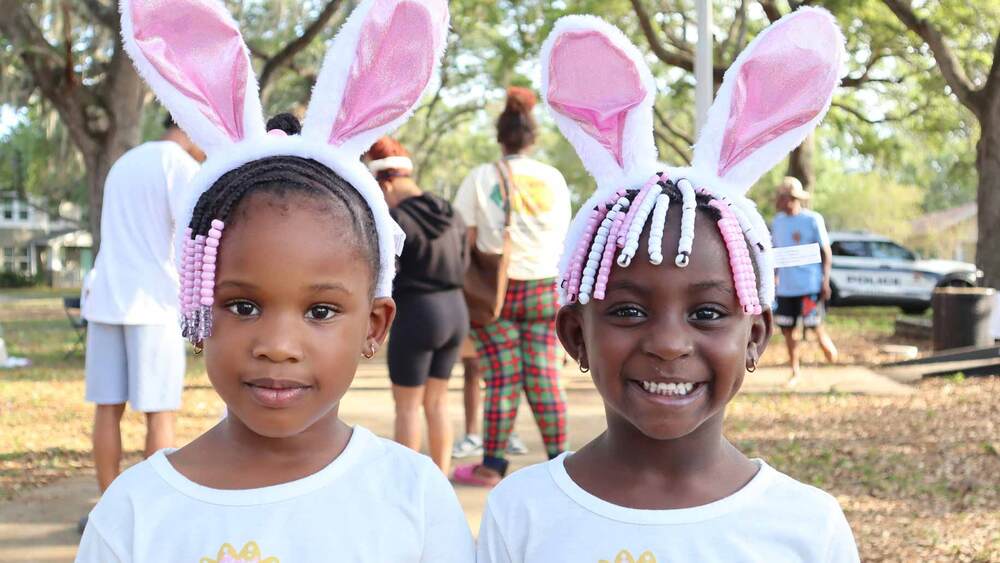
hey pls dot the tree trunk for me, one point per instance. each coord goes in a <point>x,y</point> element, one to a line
<point>800,163</point>
<point>988,194</point>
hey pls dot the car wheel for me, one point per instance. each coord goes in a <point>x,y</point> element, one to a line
<point>955,283</point>
<point>915,309</point>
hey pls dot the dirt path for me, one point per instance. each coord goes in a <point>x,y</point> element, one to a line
<point>40,525</point>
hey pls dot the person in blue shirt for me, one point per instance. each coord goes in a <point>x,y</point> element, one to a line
<point>802,291</point>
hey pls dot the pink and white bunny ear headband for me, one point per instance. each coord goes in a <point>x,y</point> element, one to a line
<point>193,56</point>
<point>600,94</point>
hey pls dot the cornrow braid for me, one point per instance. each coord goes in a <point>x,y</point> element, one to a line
<point>616,224</point>
<point>278,175</point>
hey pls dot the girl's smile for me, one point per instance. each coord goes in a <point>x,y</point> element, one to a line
<point>667,346</point>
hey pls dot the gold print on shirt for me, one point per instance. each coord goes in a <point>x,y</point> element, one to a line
<point>625,556</point>
<point>533,197</point>
<point>249,554</point>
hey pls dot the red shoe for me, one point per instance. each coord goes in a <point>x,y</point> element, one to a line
<point>466,475</point>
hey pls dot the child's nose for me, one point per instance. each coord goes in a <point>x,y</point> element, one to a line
<point>668,340</point>
<point>277,339</point>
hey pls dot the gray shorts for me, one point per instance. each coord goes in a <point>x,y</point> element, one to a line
<point>140,364</point>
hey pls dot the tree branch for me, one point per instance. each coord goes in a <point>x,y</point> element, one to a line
<point>770,10</point>
<point>886,119</point>
<point>107,15</point>
<point>673,146</point>
<point>680,60</point>
<point>70,99</point>
<point>950,67</point>
<point>283,56</point>
<point>673,131</point>
<point>993,78</point>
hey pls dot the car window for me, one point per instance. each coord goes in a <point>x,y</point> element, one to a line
<point>857,248</point>
<point>890,251</point>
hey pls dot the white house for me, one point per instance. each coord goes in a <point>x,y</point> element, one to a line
<point>34,244</point>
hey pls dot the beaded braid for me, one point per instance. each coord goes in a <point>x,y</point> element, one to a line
<point>215,210</point>
<point>618,223</point>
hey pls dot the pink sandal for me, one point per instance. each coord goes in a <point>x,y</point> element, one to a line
<point>466,475</point>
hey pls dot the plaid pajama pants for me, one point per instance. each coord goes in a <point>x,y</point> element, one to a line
<point>518,352</point>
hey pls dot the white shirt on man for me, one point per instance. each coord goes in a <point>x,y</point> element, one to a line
<point>540,215</point>
<point>377,502</point>
<point>135,280</point>
<point>539,515</point>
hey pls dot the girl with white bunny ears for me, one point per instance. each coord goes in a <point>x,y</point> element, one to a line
<point>287,267</point>
<point>666,279</point>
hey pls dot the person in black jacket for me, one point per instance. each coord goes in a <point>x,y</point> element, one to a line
<point>431,319</point>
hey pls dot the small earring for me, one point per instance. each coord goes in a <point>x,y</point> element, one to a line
<point>371,351</point>
<point>199,348</point>
<point>753,365</point>
<point>583,368</point>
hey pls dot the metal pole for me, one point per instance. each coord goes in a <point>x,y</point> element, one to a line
<point>703,67</point>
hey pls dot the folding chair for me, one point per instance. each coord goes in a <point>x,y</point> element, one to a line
<point>72,307</point>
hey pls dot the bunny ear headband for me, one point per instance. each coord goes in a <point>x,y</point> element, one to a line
<point>193,56</point>
<point>600,94</point>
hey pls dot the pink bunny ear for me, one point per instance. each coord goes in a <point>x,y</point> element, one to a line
<point>773,96</point>
<point>392,48</point>
<point>594,83</point>
<point>193,56</point>
<point>600,94</point>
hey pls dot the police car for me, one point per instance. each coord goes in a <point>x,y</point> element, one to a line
<point>873,270</point>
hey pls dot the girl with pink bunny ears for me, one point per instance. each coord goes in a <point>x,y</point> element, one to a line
<point>287,254</point>
<point>666,279</point>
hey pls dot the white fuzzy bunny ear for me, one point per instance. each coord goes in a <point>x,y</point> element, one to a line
<point>772,97</point>
<point>192,55</point>
<point>377,69</point>
<point>600,93</point>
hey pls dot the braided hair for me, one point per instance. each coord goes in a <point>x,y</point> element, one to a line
<point>281,175</point>
<point>616,224</point>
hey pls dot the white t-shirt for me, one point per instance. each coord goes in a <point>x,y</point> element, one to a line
<point>135,278</point>
<point>540,215</point>
<point>376,502</point>
<point>539,514</point>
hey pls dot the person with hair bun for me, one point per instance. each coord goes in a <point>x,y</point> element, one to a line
<point>518,351</point>
<point>431,318</point>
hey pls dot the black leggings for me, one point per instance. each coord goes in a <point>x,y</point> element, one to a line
<point>427,336</point>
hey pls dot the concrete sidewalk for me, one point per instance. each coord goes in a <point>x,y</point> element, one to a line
<point>40,525</point>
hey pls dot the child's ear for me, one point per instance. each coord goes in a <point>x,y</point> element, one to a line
<point>760,334</point>
<point>379,320</point>
<point>569,328</point>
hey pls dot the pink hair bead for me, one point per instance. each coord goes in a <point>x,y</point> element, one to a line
<point>636,204</point>
<point>739,258</point>
<point>604,271</point>
<point>580,255</point>
<point>211,242</point>
<point>217,224</point>
<point>208,259</point>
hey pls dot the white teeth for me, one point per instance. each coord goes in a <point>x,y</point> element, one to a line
<point>667,388</point>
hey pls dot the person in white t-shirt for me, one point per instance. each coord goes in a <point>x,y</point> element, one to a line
<point>135,353</point>
<point>518,351</point>
<point>667,292</point>
<point>286,266</point>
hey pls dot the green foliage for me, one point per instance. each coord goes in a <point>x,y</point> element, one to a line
<point>899,134</point>
<point>16,280</point>
<point>867,201</point>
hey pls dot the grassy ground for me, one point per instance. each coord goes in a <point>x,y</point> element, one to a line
<point>918,476</point>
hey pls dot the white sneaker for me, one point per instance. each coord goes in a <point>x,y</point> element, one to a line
<point>471,445</point>
<point>515,446</point>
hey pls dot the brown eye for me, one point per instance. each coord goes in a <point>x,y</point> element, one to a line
<point>707,314</point>
<point>320,313</point>
<point>243,308</point>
